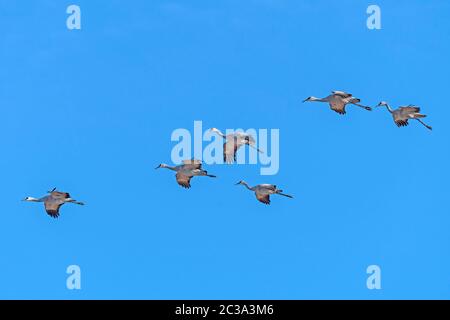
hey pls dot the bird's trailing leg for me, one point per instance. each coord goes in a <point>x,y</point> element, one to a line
<point>283,194</point>
<point>426,126</point>
<point>364,107</point>
<point>75,202</point>
<point>51,190</point>
<point>206,174</point>
<point>256,148</point>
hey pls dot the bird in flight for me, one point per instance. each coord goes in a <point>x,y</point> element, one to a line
<point>53,201</point>
<point>187,170</point>
<point>338,100</point>
<point>233,142</point>
<point>263,191</point>
<point>405,113</point>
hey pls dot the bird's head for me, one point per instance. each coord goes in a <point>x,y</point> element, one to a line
<point>250,140</point>
<point>29,199</point>
<point>308,99</point>
<point>382,104</point>
<point>50,191</point>
<point>162,165</point>
<point>240,182</point>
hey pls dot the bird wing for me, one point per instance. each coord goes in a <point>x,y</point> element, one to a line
<point>341,93</point>
<point>269,186</point>
<point>59,195</point>
<point>183,180</point>
<point>338,106</point>
<point>264,198</point>
<point>192,164</point>
<point>52,207</point>
<point>410,109</point>
<point>401,123</point>
<point>229,151</point>
<point>400,119</point>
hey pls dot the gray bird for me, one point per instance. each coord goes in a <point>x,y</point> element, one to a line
<point>405,113</point>
<point>187,170</point>
<point>53,201</point>
<point>233,142</point>
<point>338,100</point>
<point>263,191</point>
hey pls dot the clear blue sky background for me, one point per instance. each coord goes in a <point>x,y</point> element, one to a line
<point>91,112</point>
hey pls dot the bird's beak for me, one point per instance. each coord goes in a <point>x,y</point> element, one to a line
<point>305,100</point>
<point>237,183</point>
<point>158,167</point>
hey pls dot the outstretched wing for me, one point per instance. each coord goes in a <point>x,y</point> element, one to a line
<point>59,195</point>
<point>263,198</point>
<point>338,106</point>
<point>401,123</point>
<point>229,151</point>
<point>410,109</point>
<point>271,187</point>
<point>183,180</point>
<point>341,93</point>
<point>52,208</point>
<point>192,164</point>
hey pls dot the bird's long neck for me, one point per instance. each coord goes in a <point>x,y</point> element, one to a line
<point>247,186</point>
<point>388,107</point>
<point>220,133</point>
<point>31,199</point>
<point>170,168</point>
<point>315,99</point>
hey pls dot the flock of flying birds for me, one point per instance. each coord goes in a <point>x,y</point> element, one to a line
<point>337,101</point>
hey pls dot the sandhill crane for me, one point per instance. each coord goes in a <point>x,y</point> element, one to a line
<point>338,100</point>
<point>53,201</point>
<point>187,170</point>
<point>263,191</point>
<point>233,142</point>
<point>405,113</point>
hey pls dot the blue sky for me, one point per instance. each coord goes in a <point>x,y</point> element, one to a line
<point>91,112</point>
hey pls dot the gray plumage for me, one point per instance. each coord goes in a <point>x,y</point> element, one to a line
<point>403,114</point>
<point>338,100</point>
<point>53,201</point>
<point>263,191</point>
<point>233,142</point>
<point>187,170</point>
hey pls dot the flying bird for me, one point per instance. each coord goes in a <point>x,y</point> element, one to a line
<point>338,100</point>
<point>187,170</point>
<point>263,191</point>
<point>233,142</point>
<point>405,113</point>
<point>53,201</point>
